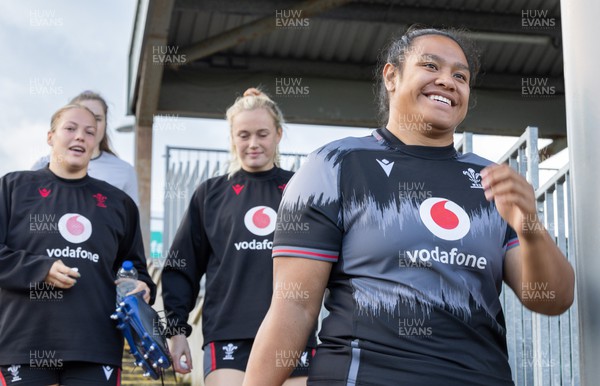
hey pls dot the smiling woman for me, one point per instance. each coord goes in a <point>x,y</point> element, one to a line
<point>404,232</point>
<point>104,164</point>
<point>402,49</point>
<point>63,235</point>
<point>72,137</point>
<point>425,85</point>
<point>256,128</point>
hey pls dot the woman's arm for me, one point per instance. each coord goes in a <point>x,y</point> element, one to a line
<point>536,270</point>
<point>290,319</point>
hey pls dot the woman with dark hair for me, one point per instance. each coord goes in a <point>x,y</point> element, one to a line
<point>412,239</point>
<point>63,236</point>
<point>104,164</point>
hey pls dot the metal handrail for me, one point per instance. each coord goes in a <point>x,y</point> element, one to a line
<point>550,185</point>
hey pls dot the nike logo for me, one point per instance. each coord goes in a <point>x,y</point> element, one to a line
<point>107,371</point>
<point>386,166</point>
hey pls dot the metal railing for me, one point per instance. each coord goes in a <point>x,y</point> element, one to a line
<point>465,145</point>
<point>522,157</point>
<point>543,350</point>
<point>185,169</point>
<point>557,344</point>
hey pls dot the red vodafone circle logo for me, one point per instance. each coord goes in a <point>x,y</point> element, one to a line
<point>444,218</point>
<point>260,220</point>
<point>75,228</point>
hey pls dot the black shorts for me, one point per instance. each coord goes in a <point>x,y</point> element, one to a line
<point>234,355</point>
<point>340,365</point>
<point>62,373</point>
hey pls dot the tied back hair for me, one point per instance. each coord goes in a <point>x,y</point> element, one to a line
<point>249,103</point>
<point>399,48</point>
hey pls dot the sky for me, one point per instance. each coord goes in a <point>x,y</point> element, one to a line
<point>54,49</point>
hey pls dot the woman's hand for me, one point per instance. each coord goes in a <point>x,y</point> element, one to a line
<point>514,198</point>
<point>179,347</point>
<point>62,276</point>
<point>140,286</point>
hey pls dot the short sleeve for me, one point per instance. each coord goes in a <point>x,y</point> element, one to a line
<point>309,221</point>
<point>511,240</point>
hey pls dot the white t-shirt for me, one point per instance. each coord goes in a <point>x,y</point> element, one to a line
<point>109,168</point>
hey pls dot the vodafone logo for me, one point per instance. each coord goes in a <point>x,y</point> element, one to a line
<point>75,228</point>
<point>260,220</point>
<point>444,218</point>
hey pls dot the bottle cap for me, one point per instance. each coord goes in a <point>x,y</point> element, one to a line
<point>127,265</point>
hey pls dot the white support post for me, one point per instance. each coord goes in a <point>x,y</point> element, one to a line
<point>581,57</point>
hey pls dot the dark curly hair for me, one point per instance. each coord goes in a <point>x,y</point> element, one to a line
<point>398,49</point>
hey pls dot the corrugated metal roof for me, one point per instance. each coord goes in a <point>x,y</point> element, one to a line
<point>236,44</point>
<point>359,42</point>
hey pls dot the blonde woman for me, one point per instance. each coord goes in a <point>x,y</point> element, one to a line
<point>227,234</point>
